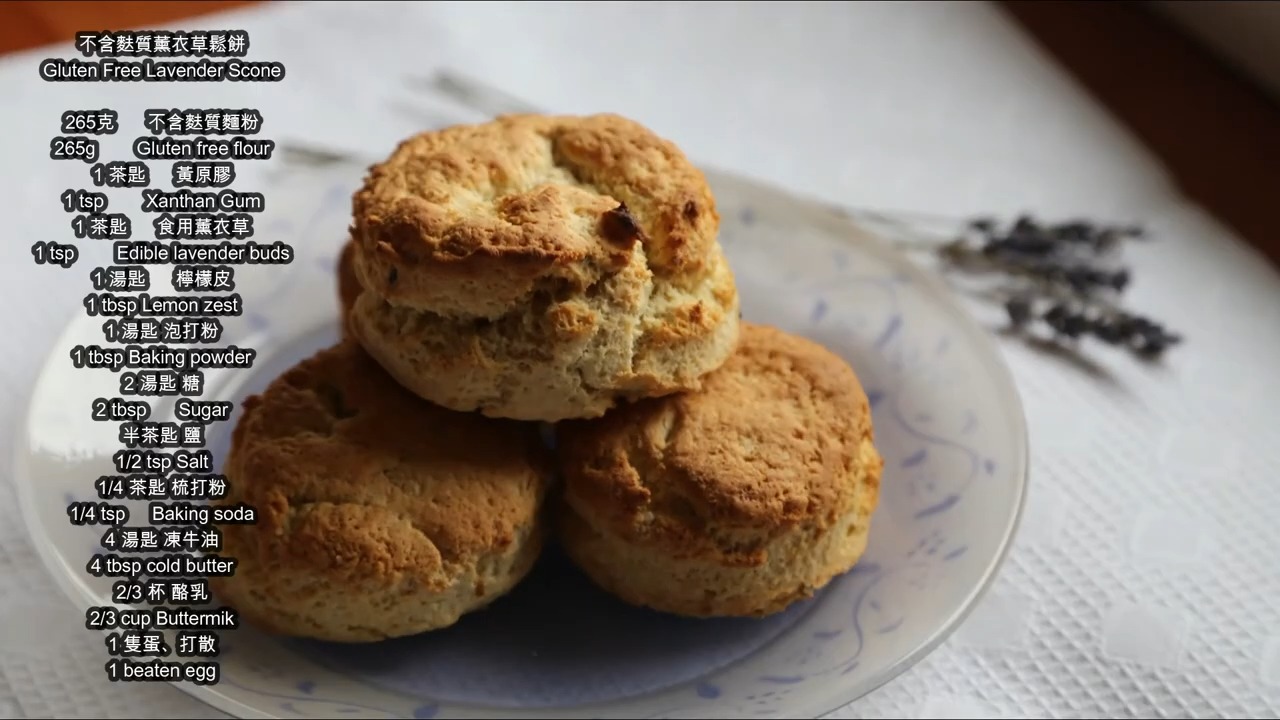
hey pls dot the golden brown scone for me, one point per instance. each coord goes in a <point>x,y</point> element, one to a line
<point>379,515</point>
<point>348,285</point>
<point>737,500</point>
<point>541,268</point>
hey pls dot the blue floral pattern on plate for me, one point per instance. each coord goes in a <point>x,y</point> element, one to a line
<point>947,421</point>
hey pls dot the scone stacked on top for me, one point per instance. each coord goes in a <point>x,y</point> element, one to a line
<point>348,285</point>
<point>543,269</point>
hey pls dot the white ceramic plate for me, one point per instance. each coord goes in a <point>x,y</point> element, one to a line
<point>947,418</point>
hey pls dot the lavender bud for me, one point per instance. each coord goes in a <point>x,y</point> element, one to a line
<point>1020,309</point>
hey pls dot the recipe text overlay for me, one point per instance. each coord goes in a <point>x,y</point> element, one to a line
<point>163,300</point>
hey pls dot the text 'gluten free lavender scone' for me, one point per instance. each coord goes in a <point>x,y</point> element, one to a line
<point>541,267</point>
<point>379,514</point>
<point>736,500</point>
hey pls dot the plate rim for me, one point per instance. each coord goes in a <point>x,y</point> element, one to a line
<point>980,340</point>
<point>994,360</point>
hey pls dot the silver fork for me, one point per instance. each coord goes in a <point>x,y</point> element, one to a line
<point>445,83</point>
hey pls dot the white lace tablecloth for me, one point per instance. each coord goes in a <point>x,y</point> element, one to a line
<point>1146,577</point>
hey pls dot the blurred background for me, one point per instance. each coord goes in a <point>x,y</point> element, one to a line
<point>1165,114</point>
<point>1197,82</point>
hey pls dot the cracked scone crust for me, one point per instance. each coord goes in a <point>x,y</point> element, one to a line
<point>737,500</point>
<point>348,284</point>
<point>379,515</point>
<point>541,267</point>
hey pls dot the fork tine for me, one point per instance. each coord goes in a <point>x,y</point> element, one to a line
<point>472,93</point>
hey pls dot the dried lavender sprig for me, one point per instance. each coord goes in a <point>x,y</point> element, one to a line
<point>1141,335</point>
<point>1078,278</point>
<point>1080,232</point>
<point>1059,271</point>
